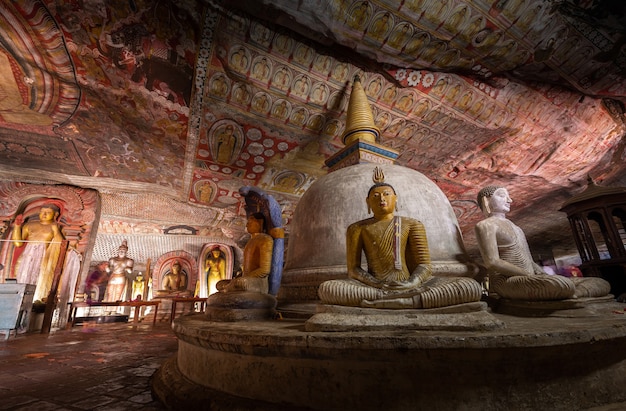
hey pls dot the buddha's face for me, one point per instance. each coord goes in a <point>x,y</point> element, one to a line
<point>500,202</point>
<point>254,225</point>
<point>176,268</point>
<point>47,214</point>
<point>382,200</point>
<point>216,253</point>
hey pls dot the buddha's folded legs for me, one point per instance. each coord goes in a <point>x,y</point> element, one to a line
<point>436,292</point>
<point>541,287</point>
<point>347,292</point>
<point>446,291</point>
<point>591,286</point>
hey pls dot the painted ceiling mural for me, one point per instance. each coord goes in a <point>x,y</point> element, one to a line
<point>95,80</point>
<point>196,99</point>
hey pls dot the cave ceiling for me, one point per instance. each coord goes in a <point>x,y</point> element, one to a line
<point>194,99</point>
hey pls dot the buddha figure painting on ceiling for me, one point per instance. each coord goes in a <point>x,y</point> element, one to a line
<point>226,141</point>
<point>398,271</point>
<point>12,106</point>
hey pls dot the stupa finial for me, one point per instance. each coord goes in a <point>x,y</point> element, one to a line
<point>360,135</point>
<point>360,122</point>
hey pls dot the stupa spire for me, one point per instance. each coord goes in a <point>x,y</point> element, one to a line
<point>360,122</point>
<point>360,135</point>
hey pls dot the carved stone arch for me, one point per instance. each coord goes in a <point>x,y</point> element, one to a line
<point>79,207</point>
<point>14,195</point>
<point>79,214</point>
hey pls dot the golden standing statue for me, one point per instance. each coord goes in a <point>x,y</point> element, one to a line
<point>42,238</point>
<point>138,287</point>
<point>215,268</point>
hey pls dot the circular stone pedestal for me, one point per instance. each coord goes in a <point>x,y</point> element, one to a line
<point>529,364</point>
<point>240,306</point>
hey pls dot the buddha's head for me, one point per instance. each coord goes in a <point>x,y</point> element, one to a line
<point>176,267</point>
<point>381,197</point>
<point>49,212</point>
<point>256,223</point>
<point>123,249</point>
<point>494,199</point>
<point>215,252</point>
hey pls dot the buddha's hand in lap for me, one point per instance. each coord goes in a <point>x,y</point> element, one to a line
<point>403,285</point>
<point>397,286</point>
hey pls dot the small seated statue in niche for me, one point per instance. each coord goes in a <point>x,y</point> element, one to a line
<point>512,272</point>
<point>398,259</point>
<point>174,283</point>
<point>257,259</point>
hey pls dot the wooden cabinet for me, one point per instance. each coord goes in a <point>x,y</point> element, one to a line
<point>16,302</point>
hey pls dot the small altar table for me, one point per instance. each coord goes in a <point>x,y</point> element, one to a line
<point>202,302</point>
<point>75,305</point>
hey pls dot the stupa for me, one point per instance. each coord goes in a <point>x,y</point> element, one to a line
<point>317,248</point>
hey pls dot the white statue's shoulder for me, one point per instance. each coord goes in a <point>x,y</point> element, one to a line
<point>489,224</point>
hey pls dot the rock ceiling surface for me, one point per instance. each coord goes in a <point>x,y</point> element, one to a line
<point>191,100</point>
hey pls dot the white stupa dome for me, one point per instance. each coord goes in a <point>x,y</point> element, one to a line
<point>316,248</point>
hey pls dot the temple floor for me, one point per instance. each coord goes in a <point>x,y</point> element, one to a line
<point>103,367</point>
<point>109,368</point>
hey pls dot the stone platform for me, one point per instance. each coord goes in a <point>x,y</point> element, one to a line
<point>545,363</point>
<point>462,317</point>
